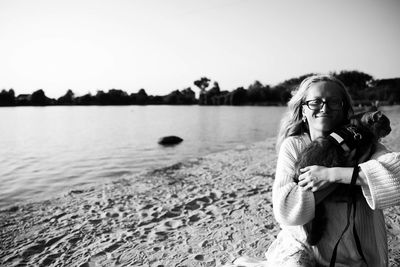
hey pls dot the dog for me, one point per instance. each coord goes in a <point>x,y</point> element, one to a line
<point>342,148</point>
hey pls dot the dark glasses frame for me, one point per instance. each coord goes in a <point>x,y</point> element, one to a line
<point>316,104</point>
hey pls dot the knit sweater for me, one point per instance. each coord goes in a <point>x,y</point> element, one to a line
<point>294,207</point>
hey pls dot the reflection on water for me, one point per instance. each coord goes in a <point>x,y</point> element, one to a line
<point>46,150</point>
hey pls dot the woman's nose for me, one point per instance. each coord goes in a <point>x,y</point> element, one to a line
<point>324,107</point>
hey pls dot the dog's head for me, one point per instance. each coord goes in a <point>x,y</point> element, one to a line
<point>377,123</point>
<point>364,129</point>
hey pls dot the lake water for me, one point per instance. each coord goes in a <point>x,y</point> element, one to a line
<point>48,150</point>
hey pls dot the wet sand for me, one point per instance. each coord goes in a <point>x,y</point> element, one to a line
<point>202,212</point>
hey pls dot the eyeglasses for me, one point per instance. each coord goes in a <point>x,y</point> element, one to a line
<point>333,104</point>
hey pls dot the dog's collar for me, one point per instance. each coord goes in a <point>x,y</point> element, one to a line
<point>340,141</point>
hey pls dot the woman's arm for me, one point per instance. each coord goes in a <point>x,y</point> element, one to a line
<point>379,178</point>
<point>382,178</point>
<point>317,178</point>
<point>292,205</point>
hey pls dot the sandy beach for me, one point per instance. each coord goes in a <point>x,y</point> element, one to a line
<point>202,212</point>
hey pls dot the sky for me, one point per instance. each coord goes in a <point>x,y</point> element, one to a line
<point>165,45</point>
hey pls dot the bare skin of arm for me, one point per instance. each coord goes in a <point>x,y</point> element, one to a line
<point>334,176</point>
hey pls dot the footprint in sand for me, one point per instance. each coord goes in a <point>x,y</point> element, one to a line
<point>206,243</point>
<point>192,205</point>
<point>155,249</point>
<point>95,221</point>
<point>253,191</point>
<point>54,240</point>
<point>157,236</point>
<point>32,250</point>
<point>205,261</point>
<point>197,203</point>
<point>49,259</point>
<point>148,206</point>
<point>170,214</point>
<point>173,224</point>
<point>112,247</point>
<point>194,218</point>
<point>233,194</point>
<point>199,257</point>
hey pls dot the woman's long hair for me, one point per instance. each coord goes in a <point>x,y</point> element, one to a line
<point>292,122</point>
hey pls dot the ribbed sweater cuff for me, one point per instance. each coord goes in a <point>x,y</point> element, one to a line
<point>297,207</point>
<point>380,192</point>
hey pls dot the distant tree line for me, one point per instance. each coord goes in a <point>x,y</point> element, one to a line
<point>363,88</point>
<point>112,97</point>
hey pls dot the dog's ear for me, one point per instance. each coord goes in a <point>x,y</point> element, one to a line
<point>372,117</point>
<point>377,115</point>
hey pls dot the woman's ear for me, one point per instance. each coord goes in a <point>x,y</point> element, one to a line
<point>303,116</point>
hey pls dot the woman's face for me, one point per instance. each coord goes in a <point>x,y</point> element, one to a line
<point>325,112</point>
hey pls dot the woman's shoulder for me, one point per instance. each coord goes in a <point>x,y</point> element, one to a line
<point>296,142</point>
<point>298,139</point>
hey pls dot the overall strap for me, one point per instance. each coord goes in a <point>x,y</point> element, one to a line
<point>350,203</point>
<point>356,238</point>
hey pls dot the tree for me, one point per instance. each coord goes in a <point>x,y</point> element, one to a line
<point>7,98</point>
<point>87,99</point>
<point>189,96</point>
<point>355,81</point>
<point>101,98</point>
<point>117,97</point>
<point>38,98</point>
<point>384,90</point>
<point>210,97</point>
<point>173,98</point>
<point>280,94</point>
<point>293,83</point>
<point>256,92</point>
<point>202,83</point>
<point>238,96</point>
<point>142,97</point>
<point>67,99</point>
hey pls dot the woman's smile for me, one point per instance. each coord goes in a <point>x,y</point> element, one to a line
<point>321,108</point>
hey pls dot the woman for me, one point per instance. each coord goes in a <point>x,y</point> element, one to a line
<point>321,104</point>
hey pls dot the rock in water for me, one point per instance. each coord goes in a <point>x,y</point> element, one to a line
<point>170,140</point>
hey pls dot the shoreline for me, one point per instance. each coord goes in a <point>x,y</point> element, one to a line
<point>201,212</point>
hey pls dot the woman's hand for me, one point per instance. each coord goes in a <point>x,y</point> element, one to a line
<point>315,178</point>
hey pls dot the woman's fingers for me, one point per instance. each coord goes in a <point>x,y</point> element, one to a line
<point>306,173</point>
<point>314,189</point>
<point>307,186</point>
<point>306,181</point>
<point>305,169</point>
<point>303,182</point>
<point>302,176</point>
